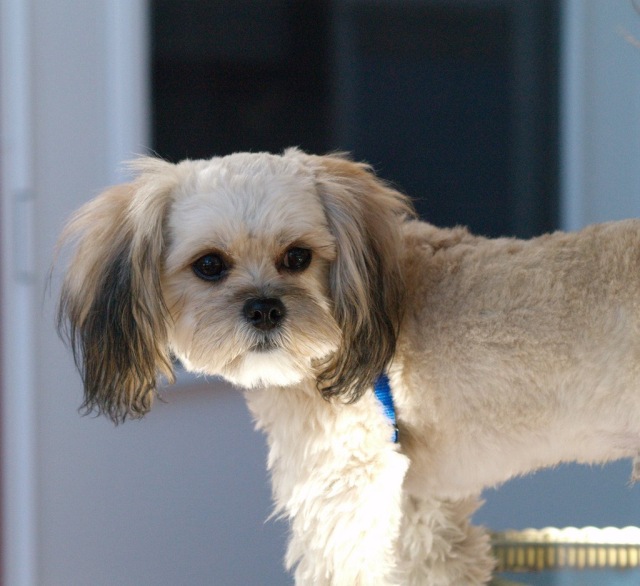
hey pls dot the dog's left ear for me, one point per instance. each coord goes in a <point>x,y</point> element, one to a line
<point>111,306</point>
<point>365,217</point>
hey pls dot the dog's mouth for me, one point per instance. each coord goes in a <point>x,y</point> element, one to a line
<point>262,346</point>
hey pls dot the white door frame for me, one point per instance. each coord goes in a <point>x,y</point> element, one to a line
<point>16,278</point>
<point>126,123</point>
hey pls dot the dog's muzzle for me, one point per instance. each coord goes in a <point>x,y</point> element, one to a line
<point>264,314</point>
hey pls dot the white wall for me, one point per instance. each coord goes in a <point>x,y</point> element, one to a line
<point>180,497</point>
<point>601,111</point>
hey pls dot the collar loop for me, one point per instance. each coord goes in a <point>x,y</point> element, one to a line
<point>382,390</point>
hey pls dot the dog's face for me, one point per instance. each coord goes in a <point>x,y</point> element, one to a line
<point>265,269</point>
<point>246,277</point>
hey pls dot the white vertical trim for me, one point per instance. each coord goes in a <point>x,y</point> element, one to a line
<point>127,133</point>
<point>572,114</point>
<point>600,103</point>
<point>16,264</point>
<point>128,83</point>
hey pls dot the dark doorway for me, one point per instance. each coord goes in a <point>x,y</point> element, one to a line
<point>455,103</point>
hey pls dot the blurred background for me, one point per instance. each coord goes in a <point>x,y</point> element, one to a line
<point>514,117</point>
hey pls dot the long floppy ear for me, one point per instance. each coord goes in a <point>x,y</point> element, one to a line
<point>111,308</point>
<point>365,216</point>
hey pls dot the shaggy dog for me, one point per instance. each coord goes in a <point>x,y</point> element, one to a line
<point>306,281</point>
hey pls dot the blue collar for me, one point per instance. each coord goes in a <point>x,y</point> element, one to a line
<point>382,389</point>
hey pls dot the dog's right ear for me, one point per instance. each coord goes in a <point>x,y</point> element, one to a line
<point>111,309</point>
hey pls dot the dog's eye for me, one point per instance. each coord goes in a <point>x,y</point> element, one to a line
<point>296,259</point>
<point>210,267</point>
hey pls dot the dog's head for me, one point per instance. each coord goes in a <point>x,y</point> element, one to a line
<point>264,269</point>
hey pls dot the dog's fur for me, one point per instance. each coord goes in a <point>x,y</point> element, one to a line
<point>504,356</point>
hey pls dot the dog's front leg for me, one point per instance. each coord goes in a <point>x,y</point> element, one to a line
<point>345,523</point>
<point>439,547</point>
<point>338,477</point>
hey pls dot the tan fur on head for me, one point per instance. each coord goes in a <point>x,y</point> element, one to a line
<point>123,300</point>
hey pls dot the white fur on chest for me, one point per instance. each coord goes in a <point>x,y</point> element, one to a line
<point>337,475</point>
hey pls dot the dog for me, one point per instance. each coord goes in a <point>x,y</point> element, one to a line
<point>306,280</point>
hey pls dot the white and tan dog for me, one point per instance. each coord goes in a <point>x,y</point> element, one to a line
<point>303,279</point>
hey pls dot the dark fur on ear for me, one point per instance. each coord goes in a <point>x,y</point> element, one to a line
<point>364,215</point>
<point>111,308</point>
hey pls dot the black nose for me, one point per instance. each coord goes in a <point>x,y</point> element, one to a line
<point>264,314</point>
